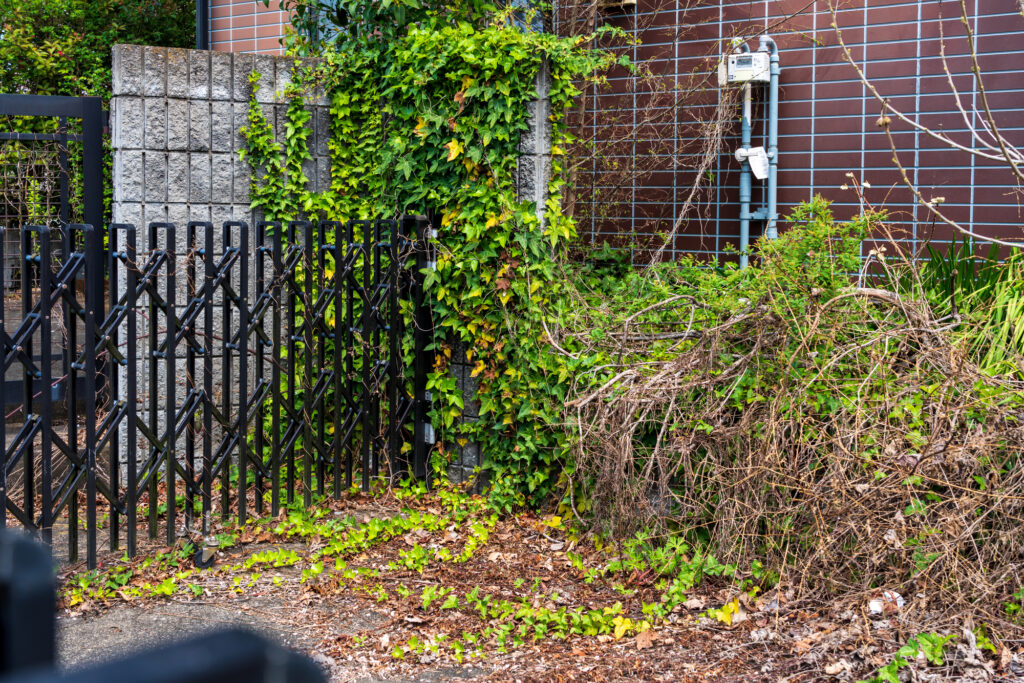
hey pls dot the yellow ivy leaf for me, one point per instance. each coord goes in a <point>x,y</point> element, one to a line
<point>454,149</point>
<point>491,222</point>
<point>622,624</point>
<point>421,123</point>
<point>446,219</point>
<point>728,611</point>
<point>554,521</point>
<point>477,369</point>
<point>466,82</point>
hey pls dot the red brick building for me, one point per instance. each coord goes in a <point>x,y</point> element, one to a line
<point>827,119</point>
<point>246,26</point>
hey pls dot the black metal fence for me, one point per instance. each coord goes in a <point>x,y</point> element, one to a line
<point>247,364</point>
<point>51,173</point>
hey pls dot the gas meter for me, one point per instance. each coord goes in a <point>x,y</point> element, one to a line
<point>740,68</point>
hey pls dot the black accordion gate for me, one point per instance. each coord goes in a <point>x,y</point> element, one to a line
<point>225,369</point>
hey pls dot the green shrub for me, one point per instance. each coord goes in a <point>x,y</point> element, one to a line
<point>838,435</point>
<point>62,47</point>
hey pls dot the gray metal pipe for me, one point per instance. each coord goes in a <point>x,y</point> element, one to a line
<point>769,211</point>
<point>745,179</point>
<point>771,230</point>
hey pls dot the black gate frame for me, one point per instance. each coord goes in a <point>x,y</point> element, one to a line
<point>89,110</point>
<point>376,264</point>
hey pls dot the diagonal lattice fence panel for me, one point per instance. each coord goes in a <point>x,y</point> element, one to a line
<point>225,370</point>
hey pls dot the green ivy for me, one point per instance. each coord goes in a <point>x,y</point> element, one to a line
<point>428,105</point>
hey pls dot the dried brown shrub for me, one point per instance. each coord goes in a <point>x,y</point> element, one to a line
<point>838,434</point>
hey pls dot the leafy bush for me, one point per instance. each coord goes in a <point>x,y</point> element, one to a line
<point>428,103</point>
<point>985,292</point>
<point>62,47</point>
<point>838,435</point>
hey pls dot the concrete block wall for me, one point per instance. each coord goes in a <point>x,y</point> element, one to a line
<point>176,120</point>
<point>176,117</point>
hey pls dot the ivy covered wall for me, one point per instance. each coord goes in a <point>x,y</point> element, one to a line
<point>434,107</point>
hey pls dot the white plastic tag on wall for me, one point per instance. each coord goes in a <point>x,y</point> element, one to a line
<point>758,160</point>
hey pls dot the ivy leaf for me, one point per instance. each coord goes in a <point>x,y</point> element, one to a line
<point>405,167</point>
<point>622,625</point>
<point>454,149</point>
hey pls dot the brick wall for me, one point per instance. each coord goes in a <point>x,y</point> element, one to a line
<point>827,122</point>
<point>247,26</point>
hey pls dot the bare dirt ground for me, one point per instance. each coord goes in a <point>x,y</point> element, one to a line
<point>370,620</point>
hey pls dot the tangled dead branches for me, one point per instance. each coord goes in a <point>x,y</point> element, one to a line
<point>839,436</point>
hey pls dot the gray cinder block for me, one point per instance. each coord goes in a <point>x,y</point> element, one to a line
<point>243,66</point>
<point>128,176</point>
<point>126,70</point>
<point>177,176</point>
<point>199,180</point>
<point>156,123</point>
<point>222,121</point>
<point>198,74</point>
<point>177,124</point>
<point>265,66</point>
<point>154,71</point>
<point>199,130</point>
<point>156,177</point>
<point>221,78</point>
<point>177,72</point>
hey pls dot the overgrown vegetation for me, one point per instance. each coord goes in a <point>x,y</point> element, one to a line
<point>428,104</point>
<point>62,47</point>
<point>843,424</point>
<point>850,438</point>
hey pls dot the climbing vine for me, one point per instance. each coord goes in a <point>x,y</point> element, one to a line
<point>428,105</point>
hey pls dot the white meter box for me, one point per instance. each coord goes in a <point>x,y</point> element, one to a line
<point>746,67</point>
